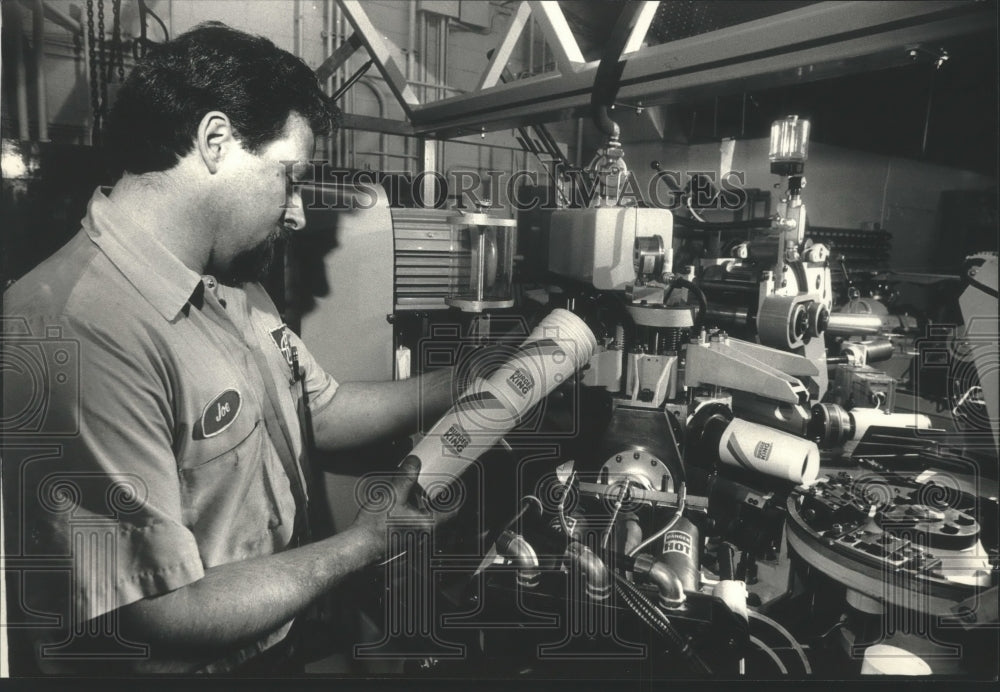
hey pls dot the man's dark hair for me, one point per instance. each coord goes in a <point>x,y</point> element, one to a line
<point>156,114</point>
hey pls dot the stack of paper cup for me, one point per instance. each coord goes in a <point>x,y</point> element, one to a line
<point>883,659</point>
<point>766,450</point>
<point>559,346</point>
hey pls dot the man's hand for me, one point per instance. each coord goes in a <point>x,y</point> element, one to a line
<point>400,498</point>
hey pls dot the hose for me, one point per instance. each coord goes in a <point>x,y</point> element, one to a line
<point>754,615</point>
<point>609,70</point>
<point>654,617</point>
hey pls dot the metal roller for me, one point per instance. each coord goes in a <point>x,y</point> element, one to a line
<point>844,324</point>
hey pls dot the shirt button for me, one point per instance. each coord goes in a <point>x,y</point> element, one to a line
<point>210,282</point>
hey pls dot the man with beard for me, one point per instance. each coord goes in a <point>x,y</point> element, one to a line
<point>179,492</point>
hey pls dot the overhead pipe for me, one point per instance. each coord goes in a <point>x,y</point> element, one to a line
<point>609,71</point>
<point>20,75</point>
<point>38,38</point>
<point>411,46</point>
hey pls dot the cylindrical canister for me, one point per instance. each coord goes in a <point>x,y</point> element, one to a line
<point>884,659</point>
<point>766,450</point>
<point>560,345</point>
<point>864,418</point>
<point>681,553</point>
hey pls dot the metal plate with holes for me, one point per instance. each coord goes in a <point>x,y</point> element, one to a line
<point>638,466</point>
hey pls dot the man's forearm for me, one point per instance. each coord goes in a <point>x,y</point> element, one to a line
<point>365,412</point>
<point>240,602</point>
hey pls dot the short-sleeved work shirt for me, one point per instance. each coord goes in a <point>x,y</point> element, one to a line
<point>180,443</point>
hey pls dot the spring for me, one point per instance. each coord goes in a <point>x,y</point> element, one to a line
<point>671,339</point>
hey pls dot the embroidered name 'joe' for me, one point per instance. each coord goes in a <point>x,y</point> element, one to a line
<point>220,413</point>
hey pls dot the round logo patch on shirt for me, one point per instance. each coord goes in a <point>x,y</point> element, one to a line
<point>283,342</point>
<point>220,413</point>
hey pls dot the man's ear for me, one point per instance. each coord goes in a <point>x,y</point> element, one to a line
<point>214,139</point>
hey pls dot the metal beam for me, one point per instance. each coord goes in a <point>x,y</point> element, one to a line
<point>368,123</point>
<point>338,57</point>
<point>502,54</point>
<point>379,50</point>
<point>558,35</point>
<point>641,28</point>
<point>820,41</point>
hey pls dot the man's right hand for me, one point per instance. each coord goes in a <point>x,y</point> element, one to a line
<point>396,497</point>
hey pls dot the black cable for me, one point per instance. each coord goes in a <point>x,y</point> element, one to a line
<point>163,27</point>
<point>698,293</point>
<point>651,614</point>
<point>983,287</point>
<point>609,70</point>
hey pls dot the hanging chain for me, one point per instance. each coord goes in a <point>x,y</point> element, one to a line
<point>118,50</point>
<point>102,48</point>
<point>95,97</point>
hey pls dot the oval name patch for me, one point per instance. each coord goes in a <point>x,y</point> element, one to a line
<point>220,412</point>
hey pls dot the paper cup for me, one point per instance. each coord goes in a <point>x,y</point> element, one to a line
<point>883,659</point>
<point>559,346</point>
<point>766,450</point>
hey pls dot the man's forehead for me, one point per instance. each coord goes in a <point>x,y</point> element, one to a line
<point>295,143</point>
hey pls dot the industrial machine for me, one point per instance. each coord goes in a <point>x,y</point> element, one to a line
<point>710,474</point>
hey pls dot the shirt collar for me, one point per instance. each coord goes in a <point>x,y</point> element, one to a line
<point>158,275</point>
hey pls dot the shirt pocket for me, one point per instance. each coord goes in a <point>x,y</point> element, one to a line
<point>239,504</point>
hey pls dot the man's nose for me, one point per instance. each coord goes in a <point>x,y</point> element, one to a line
<point>294,218</point>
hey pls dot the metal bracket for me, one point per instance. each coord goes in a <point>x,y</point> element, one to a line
<point>736,364</point>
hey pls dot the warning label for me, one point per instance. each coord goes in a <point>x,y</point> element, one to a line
<point>677,542</point>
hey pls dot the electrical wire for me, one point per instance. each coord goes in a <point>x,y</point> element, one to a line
<point>670,524</point>
<point>561,507</point>
<point>771,653</point>
<point>693,213</point>
<point>525,504</point>
<point>754,615</point>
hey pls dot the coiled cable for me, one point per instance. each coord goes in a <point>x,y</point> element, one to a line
<point>655,618</point>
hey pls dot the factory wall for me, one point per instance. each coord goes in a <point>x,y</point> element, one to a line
<point>302,27</point>
<point>845,189</point>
